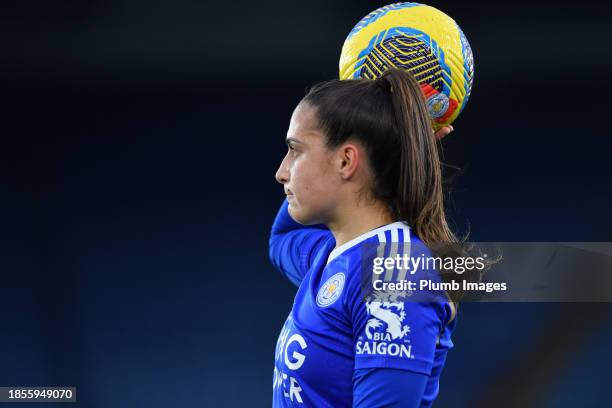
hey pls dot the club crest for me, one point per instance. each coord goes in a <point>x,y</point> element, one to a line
<point>331,290</point>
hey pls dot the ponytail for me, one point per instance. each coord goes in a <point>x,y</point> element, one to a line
<point>419,198</point>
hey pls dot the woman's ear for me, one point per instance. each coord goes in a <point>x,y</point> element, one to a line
<point>349,160</point>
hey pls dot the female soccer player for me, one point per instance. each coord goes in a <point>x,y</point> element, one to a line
<point>362,167</point>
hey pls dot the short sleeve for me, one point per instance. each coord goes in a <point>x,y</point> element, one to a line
<point>392,328</point>
<point>394,332</point>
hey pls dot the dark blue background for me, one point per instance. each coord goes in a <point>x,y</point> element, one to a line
<point>140,141</point>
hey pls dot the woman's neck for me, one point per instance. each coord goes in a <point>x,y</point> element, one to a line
<point>356,221</point>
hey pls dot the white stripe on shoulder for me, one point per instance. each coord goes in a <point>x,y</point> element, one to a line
<point>406,233</point>
<point>379,232</point>
<point>405,250</point>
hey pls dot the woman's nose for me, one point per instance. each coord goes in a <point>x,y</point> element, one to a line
<point>282,174</point>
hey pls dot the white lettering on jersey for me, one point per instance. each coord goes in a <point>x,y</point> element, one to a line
<point>293,362</point>
<point>385,330</point>
<point>383,349</point>
<point>294,390</point>
<point>294,365</point>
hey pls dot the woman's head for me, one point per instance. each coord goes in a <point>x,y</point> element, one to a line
<point>370,140</point>
<point>308,171</point>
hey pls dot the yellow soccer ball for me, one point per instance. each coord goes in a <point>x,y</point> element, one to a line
<point>422,40</point>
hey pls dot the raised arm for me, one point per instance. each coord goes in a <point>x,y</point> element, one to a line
<point>293,246</point>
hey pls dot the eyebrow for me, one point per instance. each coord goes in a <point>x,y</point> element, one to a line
<point>292,140</point>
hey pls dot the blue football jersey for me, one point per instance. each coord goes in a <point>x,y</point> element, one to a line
<point>332,330</point>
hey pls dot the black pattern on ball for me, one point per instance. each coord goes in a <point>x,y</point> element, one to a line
<point>404,52</point>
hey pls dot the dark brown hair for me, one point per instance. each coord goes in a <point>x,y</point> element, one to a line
<point>389,117</point>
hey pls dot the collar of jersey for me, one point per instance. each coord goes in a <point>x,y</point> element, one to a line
<point>339,250</point>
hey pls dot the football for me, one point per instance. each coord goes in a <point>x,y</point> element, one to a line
<point>421,40</point>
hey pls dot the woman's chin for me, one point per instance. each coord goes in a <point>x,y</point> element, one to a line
<point>292,211</point>
<point>296,214</point>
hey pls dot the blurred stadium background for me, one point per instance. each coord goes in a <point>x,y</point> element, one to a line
<point>140,140</point>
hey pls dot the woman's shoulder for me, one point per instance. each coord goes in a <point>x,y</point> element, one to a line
<point>390,263</point>
<point>383,239</point>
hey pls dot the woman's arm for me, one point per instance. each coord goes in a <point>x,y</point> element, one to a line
<point>293,246</point>
<point>387,387</point>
